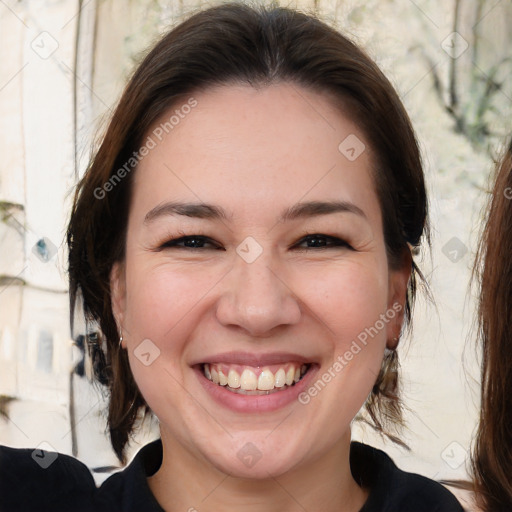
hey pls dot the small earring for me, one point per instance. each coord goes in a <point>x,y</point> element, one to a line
<point>388,350</point>
<point>121,340</point>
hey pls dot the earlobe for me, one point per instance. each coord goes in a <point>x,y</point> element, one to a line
<point>118,294</point>
<point>398,286</point>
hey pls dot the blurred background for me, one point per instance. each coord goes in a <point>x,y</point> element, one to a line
<point>63,64</point>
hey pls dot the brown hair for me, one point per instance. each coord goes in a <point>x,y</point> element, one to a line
<point>492,451</point>
<point>235,43</point>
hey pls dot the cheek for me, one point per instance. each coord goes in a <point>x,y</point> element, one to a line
<point>162,305</point>
<point>348,298</point>
<point>349,302</point>
<point>162,298</point>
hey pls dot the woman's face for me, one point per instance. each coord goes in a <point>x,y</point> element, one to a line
<point>255,248</point>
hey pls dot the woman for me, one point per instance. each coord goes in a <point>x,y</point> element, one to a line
<point>242,238</point>
<point>492,461</point>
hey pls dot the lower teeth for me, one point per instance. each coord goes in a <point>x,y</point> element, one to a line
<point>241,391</point>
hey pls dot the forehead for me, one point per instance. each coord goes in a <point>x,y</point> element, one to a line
<point>249,149</point>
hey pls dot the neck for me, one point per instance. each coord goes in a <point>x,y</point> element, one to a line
<point>184,482</point>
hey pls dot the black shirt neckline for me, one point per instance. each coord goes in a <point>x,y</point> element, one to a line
<point>389,488</point>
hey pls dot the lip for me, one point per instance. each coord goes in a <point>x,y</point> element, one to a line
<point>254,359</point>
<point>256,403</point>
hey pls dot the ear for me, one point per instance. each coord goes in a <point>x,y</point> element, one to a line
<point>118,294</point>
<point>398,284</point>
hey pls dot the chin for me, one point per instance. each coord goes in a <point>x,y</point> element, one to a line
<point>255,457</point>
<point>259,469</point>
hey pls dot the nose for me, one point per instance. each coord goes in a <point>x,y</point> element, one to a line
<point>257,298</point>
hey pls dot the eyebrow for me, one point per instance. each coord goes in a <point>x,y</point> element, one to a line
<point>212,212</point>
<point>197,210</point>
<point>316,208</point>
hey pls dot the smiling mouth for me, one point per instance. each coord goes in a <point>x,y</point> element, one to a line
<point>247,380</point>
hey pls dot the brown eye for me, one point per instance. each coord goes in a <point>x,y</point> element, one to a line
<point>190,242</point>
<point>318,241</point>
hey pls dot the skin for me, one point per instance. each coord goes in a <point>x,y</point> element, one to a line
<point>255,153</point>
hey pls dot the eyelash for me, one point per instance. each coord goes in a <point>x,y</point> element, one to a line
<point>335,242</point>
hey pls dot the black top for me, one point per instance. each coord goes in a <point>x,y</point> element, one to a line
<point>31,480</point>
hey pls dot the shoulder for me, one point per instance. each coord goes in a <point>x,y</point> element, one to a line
<point>466,498</point>
<point>39,480</point>
<point>394,490</point>
<point>128,490</point>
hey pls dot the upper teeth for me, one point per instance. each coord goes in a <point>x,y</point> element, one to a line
<point>248,378</point>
